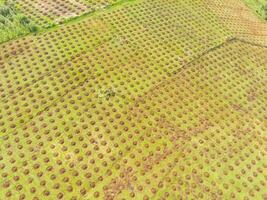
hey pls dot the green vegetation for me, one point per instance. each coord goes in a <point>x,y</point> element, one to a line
<point>13,23</point>
<point>260,7</point>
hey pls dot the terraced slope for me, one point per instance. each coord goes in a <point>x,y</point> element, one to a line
<point>50,12</point>
<point>237,17</point>
<point>143,100</point>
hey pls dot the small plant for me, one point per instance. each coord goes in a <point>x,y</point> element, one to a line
<point>264,10</point>
<point>109,93</point>
<point>33,28</point>
<point>24,21</point>
<point>50,25</point>
<point>3,20</point>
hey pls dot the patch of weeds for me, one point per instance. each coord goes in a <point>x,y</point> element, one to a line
<point>49,25</point>
<point>107,94</point>
<point>6,11</point>
<point>3,21</point>
<point>33,28</point>
<point>12,23</point>
<point>264,11</point>
<point>24,21</point>
<point>259,6</point>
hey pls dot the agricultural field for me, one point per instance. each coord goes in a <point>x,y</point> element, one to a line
<point>133,99</point>
<point>48,13</point>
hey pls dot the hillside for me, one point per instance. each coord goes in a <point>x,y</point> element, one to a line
<point>140,99</point>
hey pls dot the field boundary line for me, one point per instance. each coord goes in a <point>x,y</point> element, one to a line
<point>221,45</point>
<point>251,43</point>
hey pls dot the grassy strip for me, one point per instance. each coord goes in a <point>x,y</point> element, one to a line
<point>12,23</point>
<point>259,6</point>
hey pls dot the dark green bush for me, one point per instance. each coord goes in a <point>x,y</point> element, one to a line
<point>6,11</point>
<point>3,20</point>
<point>24,21</point>
<point>33,28</point>
<point>264,10</point>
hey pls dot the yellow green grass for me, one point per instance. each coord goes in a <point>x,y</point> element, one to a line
<point>148,99</point>
<point>259,7</point>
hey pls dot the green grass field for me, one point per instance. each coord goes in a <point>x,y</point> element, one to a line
<point>259,7</point>
<point>140,100</point>
<point>13,24</point>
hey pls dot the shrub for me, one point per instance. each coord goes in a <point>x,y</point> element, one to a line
<point>33,28</point>
<point>6,11</point>
<point>50,25</point>
<point>3,20</point>
<point>264,10</point>
<point>24,21</point>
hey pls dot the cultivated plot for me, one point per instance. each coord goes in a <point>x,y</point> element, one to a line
<point>144,100</point>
